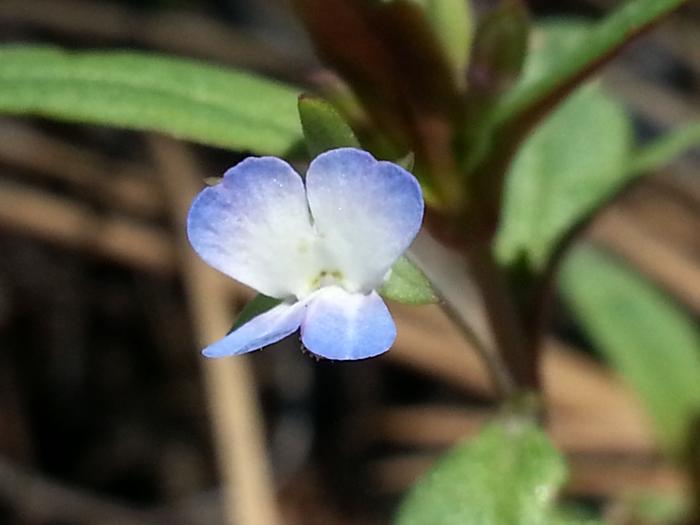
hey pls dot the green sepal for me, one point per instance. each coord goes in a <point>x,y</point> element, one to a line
<point>324,128</point>
<point>408,285</point>
<point>408,161</point>
<point>258,305</point>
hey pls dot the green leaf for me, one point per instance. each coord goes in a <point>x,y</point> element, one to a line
<point>323,126</point>
<point>508,475</point>
<point>451,21</point>
<point>647,338</point>
<point>571,68</point>
<point>407,284</point>
<point>258,305</point>
<point>184,98</point>
<point>520,111</point>
<point>663,150</point>
<point>575,160</point>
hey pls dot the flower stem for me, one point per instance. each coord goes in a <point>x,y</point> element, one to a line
<point>520,362</point>
<point>498,372</point>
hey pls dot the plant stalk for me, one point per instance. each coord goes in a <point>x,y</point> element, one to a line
<point>517,356</point>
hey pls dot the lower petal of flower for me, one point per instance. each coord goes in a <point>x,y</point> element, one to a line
<point>265,329</point>
<point>340,325</point>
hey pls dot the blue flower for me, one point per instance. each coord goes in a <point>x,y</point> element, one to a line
<point>323,246</point>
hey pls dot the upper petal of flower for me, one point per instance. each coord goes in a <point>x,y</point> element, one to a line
<point>263,330</point>
<point>367,213</point>
<point>255,227</point>
<point>341,325</point>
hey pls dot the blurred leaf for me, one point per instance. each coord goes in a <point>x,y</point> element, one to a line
<point>647,338</point>
<point>499,49</point>
<point>575,160</point>
<point>407,284</point>
<point>567,514</point>
<point>389,55</point>
<point>184,98</point>
<point>257,305</point>
<point>324,128</point>
<point>602,42</point>
<point>573,520</point>
<point>655,508</point>
<point>508,475</point>
<point>522,109</point>
<point>497,59</point>
<point>452,24</point>
<point>666,148</point>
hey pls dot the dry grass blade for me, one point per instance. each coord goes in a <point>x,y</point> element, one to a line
<point>37,499</point>
<point>122,185</point>
<point>237,416</point>
<point>179,31</point>
<point>618,231</point>
<point>58,220</point>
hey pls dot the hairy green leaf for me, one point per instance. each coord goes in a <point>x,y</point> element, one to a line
<point>509,474</point>
<point>184,98</point>
<point>647,338</point>
<point>324,128</point>
<point>407,284</point>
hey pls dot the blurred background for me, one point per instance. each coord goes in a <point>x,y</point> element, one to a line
<point>108,414</point>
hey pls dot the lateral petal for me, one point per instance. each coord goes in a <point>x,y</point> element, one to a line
<point>367,213</point>
<point>255,226</point>
<point>265,329</point>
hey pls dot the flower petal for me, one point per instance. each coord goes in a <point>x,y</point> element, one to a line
<point>255,227</point>
<point>265,329</point>
<point>341,325</point>
<point>367,212</point>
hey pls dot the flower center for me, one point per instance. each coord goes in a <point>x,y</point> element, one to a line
<point>327,278</point>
